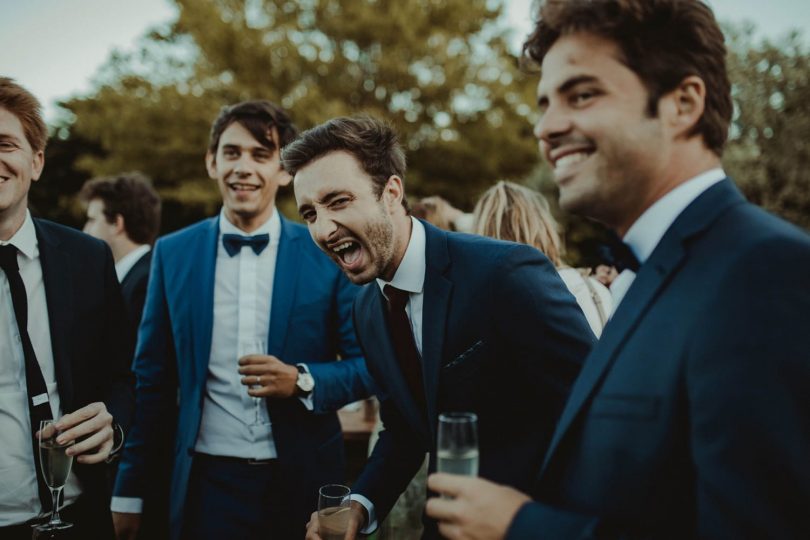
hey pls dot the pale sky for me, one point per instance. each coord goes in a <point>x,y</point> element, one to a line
<point>54,47</point>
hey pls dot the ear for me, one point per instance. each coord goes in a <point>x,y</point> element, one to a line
<point>284,178</point>
<point>211,165</point>
<point>394,191</point>
<point>683,107</point>
<point>37,165</point>
<point>119,224</point>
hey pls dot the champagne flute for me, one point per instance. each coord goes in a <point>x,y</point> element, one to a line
<point>333,511</point>
<point>246,348</point>
<point>457,445</point>
<point>55,466</point>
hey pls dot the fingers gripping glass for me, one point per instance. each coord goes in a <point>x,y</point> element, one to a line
<point>55,469</point>
<point>333,511</point>
<point>246,348</point>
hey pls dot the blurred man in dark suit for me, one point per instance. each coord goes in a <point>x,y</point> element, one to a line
<point>124,211</point>
<point>690,416</point>
<point>64,345</point>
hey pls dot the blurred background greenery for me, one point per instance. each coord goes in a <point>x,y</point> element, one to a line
<point>441,71</point>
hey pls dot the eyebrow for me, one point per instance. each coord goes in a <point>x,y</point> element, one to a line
<point>566,86</point>
<point>325,199</point>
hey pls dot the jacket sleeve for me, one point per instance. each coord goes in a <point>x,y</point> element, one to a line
<point>156,391</point>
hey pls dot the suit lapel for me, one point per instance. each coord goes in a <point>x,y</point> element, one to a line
<point>434,316</point>
<point>202,256</point>
<point>655,273</point>
<point>56,275</point>
<point>288,268</point>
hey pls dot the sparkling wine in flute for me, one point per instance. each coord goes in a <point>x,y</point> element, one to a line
<point>333,522</point>
<point>55,463</point>
<point>464,463</point>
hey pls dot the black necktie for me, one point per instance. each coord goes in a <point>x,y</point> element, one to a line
<point>404,344</point>
<point>39,408</point>
<point>234,242</point>
<point>622,256</point>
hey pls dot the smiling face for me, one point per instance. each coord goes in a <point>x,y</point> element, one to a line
<point>19,166</point>
<point>364,234</point>
<point>248,175</point>
<point>607,153</point>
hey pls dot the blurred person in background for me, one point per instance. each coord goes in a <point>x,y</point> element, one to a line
<point>509,211</point>
<point>124,211</point>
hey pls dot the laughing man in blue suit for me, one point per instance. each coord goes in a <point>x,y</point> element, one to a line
<point>235,362</point>
<point>691,417</point>
<point>447,322</point>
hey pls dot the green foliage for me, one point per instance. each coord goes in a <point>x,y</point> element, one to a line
<point>439,70</point>
<point>769,150</point>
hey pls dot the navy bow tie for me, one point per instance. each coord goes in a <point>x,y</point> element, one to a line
<point>233,243</point>
<point>620,255</point>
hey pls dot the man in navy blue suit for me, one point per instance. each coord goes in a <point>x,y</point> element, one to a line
<point>235,362</point>
<point>690,417</point>
<point>447,322</point>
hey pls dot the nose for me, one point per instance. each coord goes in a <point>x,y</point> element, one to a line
<point>553,124</point>
<point>242,167</point>
<point>323,229</point>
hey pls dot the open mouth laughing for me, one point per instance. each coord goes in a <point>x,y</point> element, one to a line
<point>348,253</point>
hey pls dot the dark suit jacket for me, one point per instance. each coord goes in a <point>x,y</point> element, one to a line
<point>691,418</point>
<point>91,344</point>
<point>502,337</point>
<point>133,288</point>
<point>310,323</point>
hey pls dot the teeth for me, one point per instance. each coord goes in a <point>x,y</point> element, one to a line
<point>571,159</point>
<point>341,247</point>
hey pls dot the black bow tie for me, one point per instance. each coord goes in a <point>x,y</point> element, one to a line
<point>622,256</point>
<point>233,243</point>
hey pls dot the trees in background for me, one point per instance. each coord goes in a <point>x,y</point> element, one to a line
<point>439,70</point>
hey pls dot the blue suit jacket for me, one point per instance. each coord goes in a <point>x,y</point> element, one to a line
<point>310,323</point>
<point>691,418</point>
<point>502,337</point>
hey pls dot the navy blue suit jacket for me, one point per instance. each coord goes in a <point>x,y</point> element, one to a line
<point>91,343</point>
<point>691,418</point>
<point>502,337</point>
<point>310,323</point>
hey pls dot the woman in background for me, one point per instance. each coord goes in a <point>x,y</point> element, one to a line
<point>509,211</point>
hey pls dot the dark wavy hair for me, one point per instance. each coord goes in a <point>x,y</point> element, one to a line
<point>372,142</point>
<point>132,196</point>
<point>662,41</point>
<point>259,117</point>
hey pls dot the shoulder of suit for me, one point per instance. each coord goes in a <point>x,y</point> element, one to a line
<point>487,251</point>
<point>188,232</point>
<point>69,236</point>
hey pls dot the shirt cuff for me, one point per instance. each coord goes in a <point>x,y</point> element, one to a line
<point>309,400</point>
<point>372,517</point>
<point>127,505</point>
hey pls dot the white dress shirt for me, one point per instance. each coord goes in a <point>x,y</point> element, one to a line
<point>233,423</point>
<point>410,277</point>
<point>648,230</point>
<point>126,263</point>
<point>19,495</point>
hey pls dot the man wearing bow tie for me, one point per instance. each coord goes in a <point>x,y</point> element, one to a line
<point>243,322</point>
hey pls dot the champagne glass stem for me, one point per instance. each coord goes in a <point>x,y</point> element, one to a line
<point>55,519</point>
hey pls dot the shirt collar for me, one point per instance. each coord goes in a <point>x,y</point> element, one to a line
<point>126,263</point>
<point>272,227</point>
<point>25,239</point>
<point>644,235</point>
<point>410,275</point>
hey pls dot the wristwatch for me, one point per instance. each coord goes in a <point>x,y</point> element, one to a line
<point>305,382</point>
